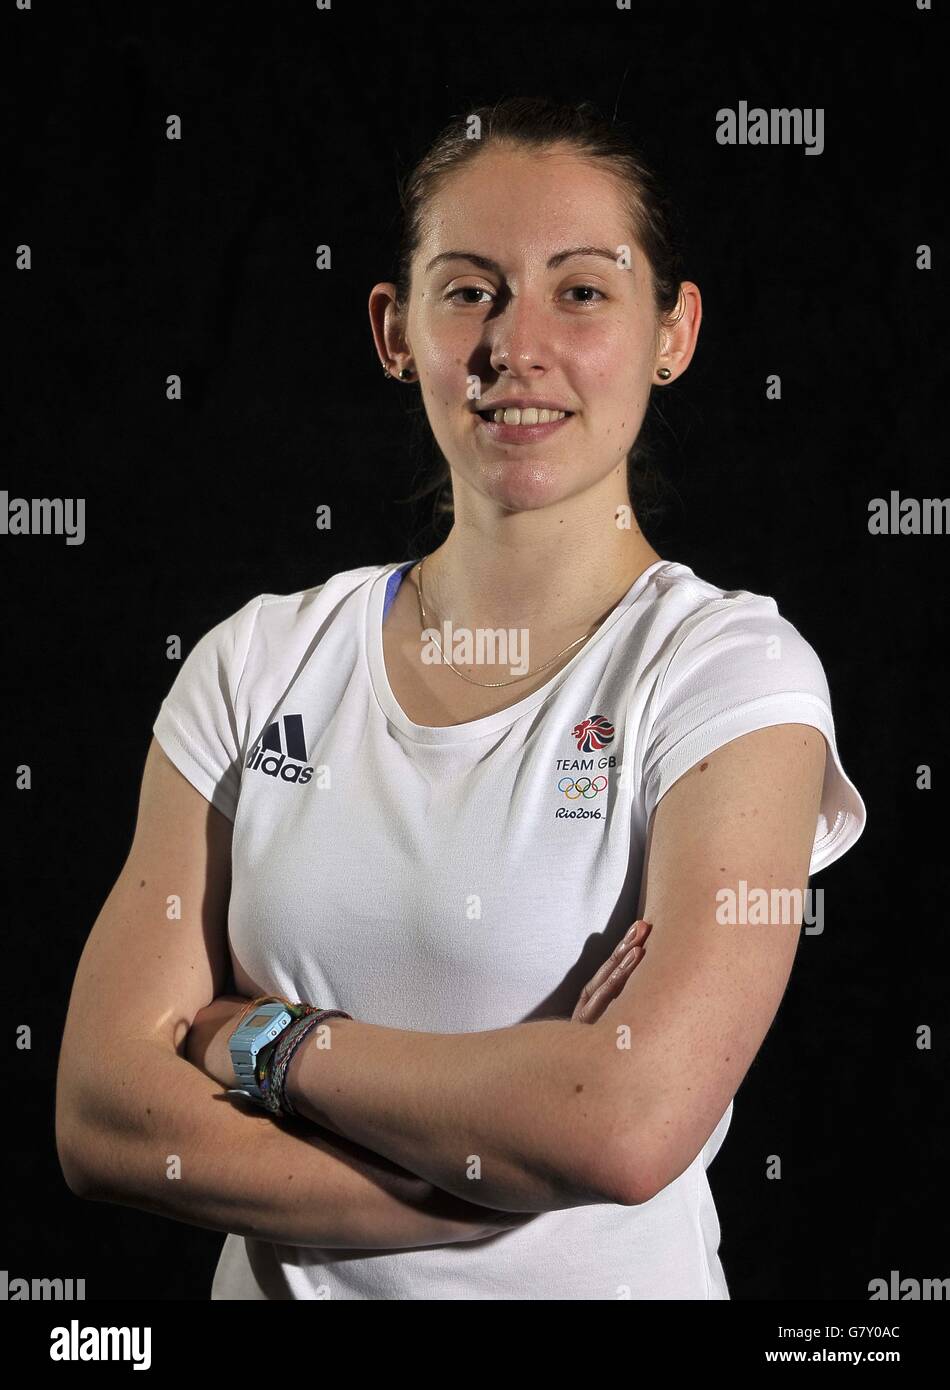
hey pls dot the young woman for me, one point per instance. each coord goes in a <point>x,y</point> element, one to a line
<point>441,792</point>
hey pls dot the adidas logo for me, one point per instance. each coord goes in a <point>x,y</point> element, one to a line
<point>284,761</point>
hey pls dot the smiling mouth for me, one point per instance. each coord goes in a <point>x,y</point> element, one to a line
<point>531,415</point>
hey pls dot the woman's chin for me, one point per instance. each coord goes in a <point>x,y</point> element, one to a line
<point>523,485</point>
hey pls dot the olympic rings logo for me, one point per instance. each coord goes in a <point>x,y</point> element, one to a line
<point>583,787</point>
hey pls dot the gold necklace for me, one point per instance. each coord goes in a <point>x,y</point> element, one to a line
<point>490,685</point>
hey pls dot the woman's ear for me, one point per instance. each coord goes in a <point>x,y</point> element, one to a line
<point>677,334</point>
<point>387,326</point>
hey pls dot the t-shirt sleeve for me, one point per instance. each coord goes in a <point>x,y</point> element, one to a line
<point>200,724</point>
<point>739,668</point>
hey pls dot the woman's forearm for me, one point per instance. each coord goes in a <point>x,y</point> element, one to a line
<point>145,1128</point>
<point>515,1118</point>
<point>511,1121</point>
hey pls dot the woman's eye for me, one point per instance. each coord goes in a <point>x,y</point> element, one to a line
<point>585,289</point>
<point>453,295</point>
<point>468,289</point>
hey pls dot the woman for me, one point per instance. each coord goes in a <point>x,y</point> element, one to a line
<point>453,784</point>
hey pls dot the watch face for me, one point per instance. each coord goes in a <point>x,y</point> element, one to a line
<point>267,1025</point>
<point>258,1031</point>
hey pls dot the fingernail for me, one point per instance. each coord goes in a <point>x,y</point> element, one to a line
<point>633,930</point>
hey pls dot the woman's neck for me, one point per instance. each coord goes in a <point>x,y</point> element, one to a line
<point>544,587</point>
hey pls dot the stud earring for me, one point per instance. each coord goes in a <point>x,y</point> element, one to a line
<point>664,373</point>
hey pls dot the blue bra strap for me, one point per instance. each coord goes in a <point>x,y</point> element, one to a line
<point>393,583</point>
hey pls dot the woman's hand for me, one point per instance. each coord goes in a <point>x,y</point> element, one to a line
<point>403,1211</point>
<point>440,1218</point>
<point>612,975</point>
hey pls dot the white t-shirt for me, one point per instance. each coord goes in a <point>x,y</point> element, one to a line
<point>362,841</point>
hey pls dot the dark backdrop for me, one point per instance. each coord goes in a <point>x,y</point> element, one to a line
<point>196,257</point>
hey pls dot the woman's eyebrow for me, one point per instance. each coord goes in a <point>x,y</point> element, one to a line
<point>486,263</point>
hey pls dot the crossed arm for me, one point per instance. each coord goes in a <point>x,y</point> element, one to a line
<point>560,1113</point>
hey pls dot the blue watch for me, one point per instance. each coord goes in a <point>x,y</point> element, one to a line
<point>258,1030</point>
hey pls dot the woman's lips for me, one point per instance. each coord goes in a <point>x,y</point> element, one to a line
<point>521,434</point>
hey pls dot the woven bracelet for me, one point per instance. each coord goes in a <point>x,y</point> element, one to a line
<point>293,1037</point>
<point>272,1070</point>
<point>268,1055</point>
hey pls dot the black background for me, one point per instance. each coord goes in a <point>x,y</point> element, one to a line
<point>196,257</point>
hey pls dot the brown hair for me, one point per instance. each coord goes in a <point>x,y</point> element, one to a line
<point>536,123</point>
